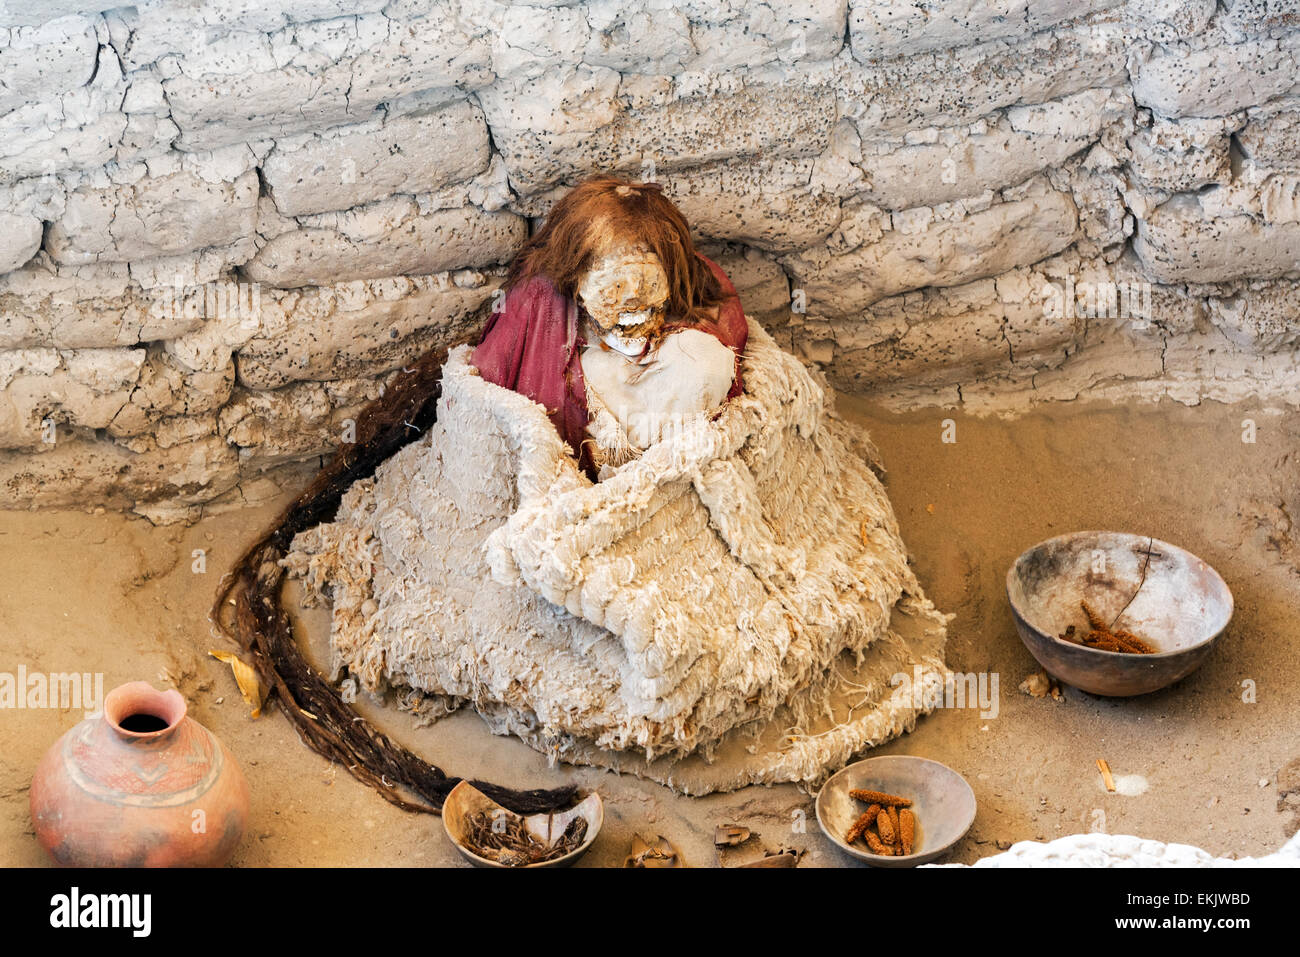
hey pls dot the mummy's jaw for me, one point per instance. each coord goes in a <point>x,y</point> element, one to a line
<point>632,347</point>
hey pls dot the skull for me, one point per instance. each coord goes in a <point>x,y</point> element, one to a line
<point>625,293</point>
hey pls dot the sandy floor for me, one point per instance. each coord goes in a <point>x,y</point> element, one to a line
<point>112,594</point>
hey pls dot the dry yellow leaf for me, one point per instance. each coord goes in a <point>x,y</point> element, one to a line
<point>250,688</point>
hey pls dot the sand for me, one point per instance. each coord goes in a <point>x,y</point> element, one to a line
<point>104,592</point>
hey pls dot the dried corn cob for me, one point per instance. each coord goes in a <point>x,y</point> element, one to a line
<point>879,797</point>
<point>1094,620</point>
<point>873,842</point>
<point>885,827</point>
<point>1101,640</point>
<point>907,829</point>
<point>861,824</point>
<point>1132,643</point>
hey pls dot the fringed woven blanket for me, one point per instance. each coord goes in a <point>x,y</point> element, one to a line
<point>733,606</point>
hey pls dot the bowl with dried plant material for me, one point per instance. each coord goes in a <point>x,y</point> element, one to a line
<point>489,835</point>
<point>1117,614</point>
<point>896,810</point>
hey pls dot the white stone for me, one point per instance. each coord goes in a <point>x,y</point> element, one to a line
<point>769,204</point>
<point>954,164</point>
<point>843,282</point>
<point>356,165</point>
<point>1178,243</point>
<point>1182,155</point>
<point>157,216</point>
<point>948,88</point>
<point>329,335</point>
<point>1271,136</point>
<point>1264,318</point>
<point>84,388</point>
<point>20,237</point>
<point>1126,850</point>
<point>323,76</point>
<point>77,129</point>
<point>569,123</point>
<point>43,61</point>
<point>389,239</point>
<point>1205,78</point>
<point>885,28</point>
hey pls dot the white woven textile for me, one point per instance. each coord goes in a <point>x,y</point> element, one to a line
<point>727,608</point>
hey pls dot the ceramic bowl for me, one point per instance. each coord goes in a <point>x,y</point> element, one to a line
<point>1160,592</point>
<point>943,802</point>
<point>466,801</point>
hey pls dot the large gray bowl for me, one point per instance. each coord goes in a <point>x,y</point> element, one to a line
<point>942,800</point>
<point>1181,607</point>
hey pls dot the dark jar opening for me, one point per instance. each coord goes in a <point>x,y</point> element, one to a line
<point>137,710</point>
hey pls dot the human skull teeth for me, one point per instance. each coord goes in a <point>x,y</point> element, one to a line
<point>630,347</point>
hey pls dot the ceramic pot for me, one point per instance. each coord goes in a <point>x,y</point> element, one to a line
<point>141,785</point>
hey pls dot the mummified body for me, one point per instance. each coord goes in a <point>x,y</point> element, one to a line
<point>616,549</point>
<point>611,308</point>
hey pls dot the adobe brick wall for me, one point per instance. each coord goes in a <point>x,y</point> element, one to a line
<point>223,224</point>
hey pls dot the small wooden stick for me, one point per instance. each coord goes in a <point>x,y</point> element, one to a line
<point>1104,768</point>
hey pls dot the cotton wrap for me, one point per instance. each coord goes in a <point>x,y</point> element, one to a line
<point>732,607</point>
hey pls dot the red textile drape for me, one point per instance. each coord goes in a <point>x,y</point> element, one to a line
<point>534,344</point>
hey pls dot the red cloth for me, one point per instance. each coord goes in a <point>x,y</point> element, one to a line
<point>534,347</point>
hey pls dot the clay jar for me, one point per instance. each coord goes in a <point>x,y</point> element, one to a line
<point>142,785</point>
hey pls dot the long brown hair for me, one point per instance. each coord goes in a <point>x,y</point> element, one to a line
<point>249,605</point>
<point>603,212</point>
<point>249,608</point>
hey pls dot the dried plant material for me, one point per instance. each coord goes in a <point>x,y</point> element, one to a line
<point>1102,638</point>
<point>1101,642</point>
<point>786,857</point>
<point>895,824</point>
<point>879,797</point>
<point>1132,644</point>
<point>658,854</point>
<point>876,846</point>
<point>729,835</point>
<point>503,837</point>
<point>250,688</point>
<point>1106,777</point>
<point>885,827</point>
<point>863,822</point>
<point>907,830</point>
<point>1095,621</point>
